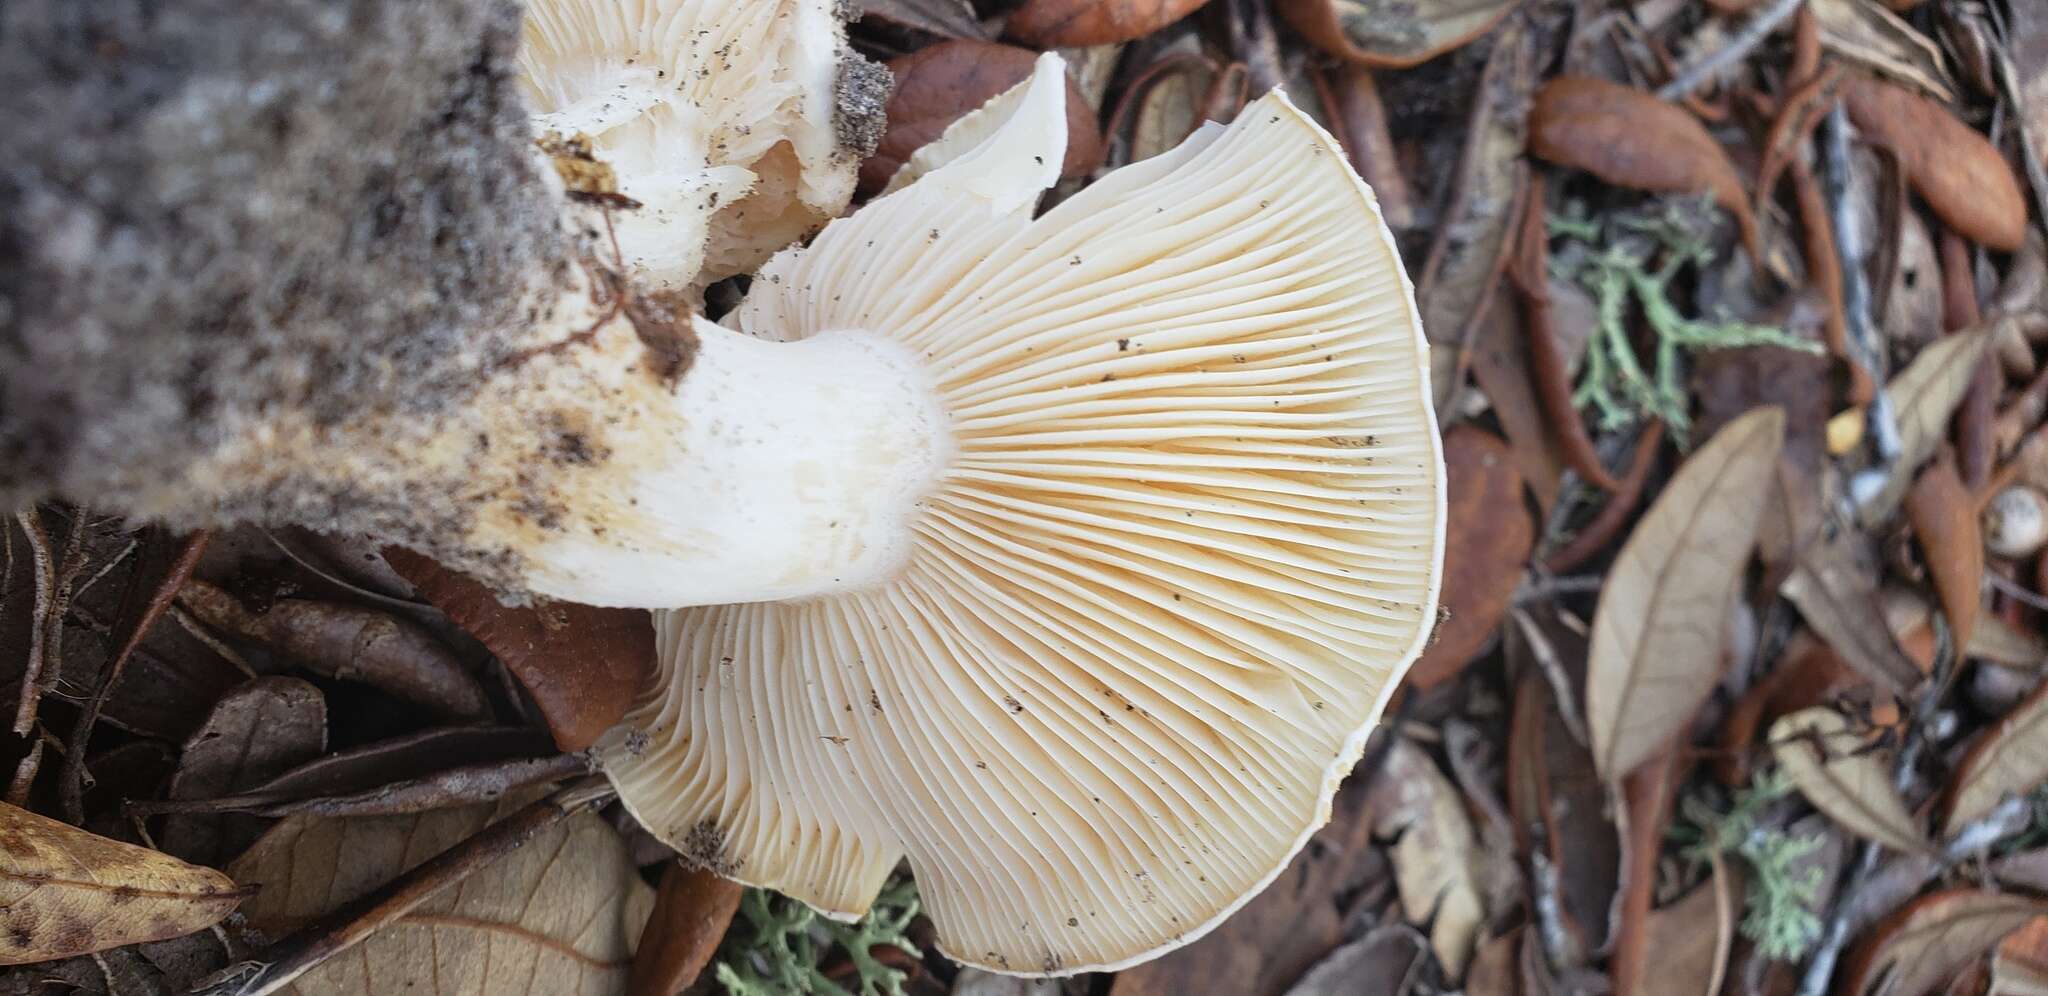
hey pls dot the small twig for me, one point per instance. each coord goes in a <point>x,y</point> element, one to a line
<point>1536,589</point>
<point>1738,47</point>
<point>466,785</point>
<point>1548,661</point>
<point>2017,592</point>
<point>1724,922</point>
<point>275,967</point>
<point>1883,422</point>
<point>31,523</point>
<point>1616,513</point>
<point>105,569</point>
<point>198,631</point>
<point>71,783</point>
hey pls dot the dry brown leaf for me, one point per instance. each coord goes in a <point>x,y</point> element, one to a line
<point>1552,786</point>
<point>1861,32</point>
<point>1461,274</point>
<point>581,664</point>
<point>2010,758</point>
<point>1377,964</point>
<point>557,917</point>
<point>255,733</point>
<point>1435,852</point>
<point>1392,35</point>
<point>66,892</point>
<point>350,643</point>
<point>1663,611</point>
<point>1924,394</point>
<point>1058,23</point>
<point>2020,965</point>
<point>938,84</point>
<point>1944,518</point>
<point>1485,550</point>
<point>692,910</point>
<point>1958,171</point>
<point>1631,139</point>
<point>1500,366</point>
<point>945,18</point>
<point>1687,937</point>
<point>1833,768</point>
<point>1915,950</point>
<point>1834,585</point>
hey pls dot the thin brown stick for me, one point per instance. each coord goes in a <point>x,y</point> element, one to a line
<point>275,967</point>
<point>461,786</point>
<point>1976,417</point>
<point>1530,273</point>
<point>1824,268</point>
<point>44,565</point>
<point>1621,504</point>
<point>143,618</point>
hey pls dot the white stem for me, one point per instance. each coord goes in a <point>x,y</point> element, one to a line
<point>774,470</point>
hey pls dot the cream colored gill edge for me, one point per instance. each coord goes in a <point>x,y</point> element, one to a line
<point>1277,102</point>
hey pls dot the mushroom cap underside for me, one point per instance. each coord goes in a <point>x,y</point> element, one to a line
<point>1188,542</point>
<point>719,118</point>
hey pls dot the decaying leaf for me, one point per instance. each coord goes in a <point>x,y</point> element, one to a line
<point>1377,964</point>
<point>1631,139</point>
<point>1434,854</point>
<point>2020,965</point>
<point>581,664</point>
<point>1944,517</point>
<point>945,18</point>
<point>1688,937</point>
<point>1958,171</point>
<point>1058,23</point>
<point>1915,950</point>
<point>939,84</point>
<point>2009,759</point>
<point>1392,35</point>
<point>256,732</point>
<point>1560,805</point>
<point>1834,585</point>
<point>1485,548</point>
<point>66,892</point>
<point>1924,394</point>
<point>692,910</point>
<point>1864,33</point>
<point>1657,632</point>
<point>560,915</point>
<point>1834,768</point>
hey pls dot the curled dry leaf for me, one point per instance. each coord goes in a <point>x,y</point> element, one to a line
<point>1631,139</point>
<point>1435,852</point>
<point>1915,950</point>
<point>1959,172</point>
<point>1392,35</point>
<point>256,732</point>
<point>692,910</point>
<point>1834,767</point>
<point>1944,518</point>
<point>1485,549</point>
<point>1378,964</point>
<point>66,892</point>
<point>581,664</point>
<point>1924,394</point>
<point>937,85</point>
<point>1066,23</point>
<point>560,915</point>
<point>1663,611</point>
<point>2010,759</point>
<point>350,643</point>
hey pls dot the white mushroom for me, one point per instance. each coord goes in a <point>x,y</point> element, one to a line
<point>1072,558</point>
<point>2016,522</point>
<point>723,118</point>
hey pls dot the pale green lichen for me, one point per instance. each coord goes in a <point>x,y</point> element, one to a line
<point>1783,885</point>
<point>777,945</point>
<point>1628,263</point>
